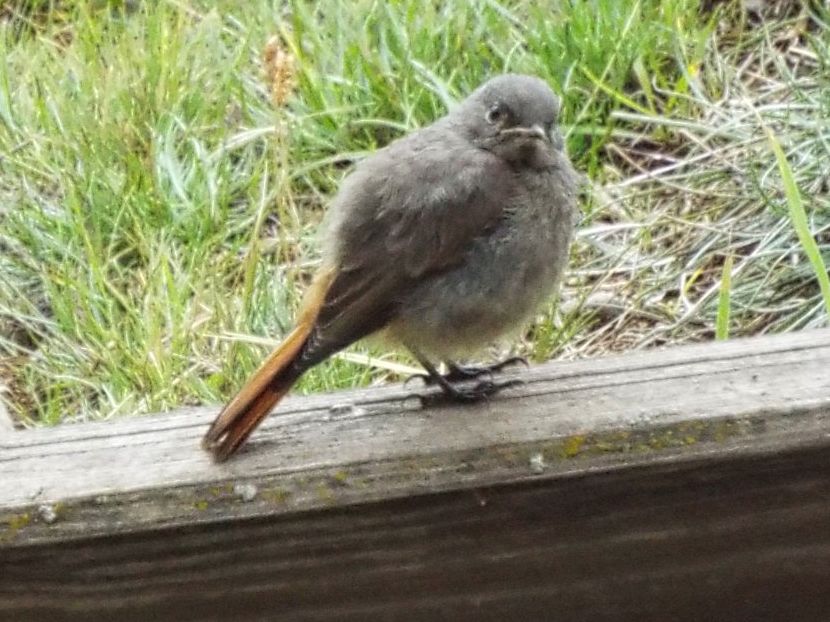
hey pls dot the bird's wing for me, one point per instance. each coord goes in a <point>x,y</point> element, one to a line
<point>411,211</point>
<point>419,203</point>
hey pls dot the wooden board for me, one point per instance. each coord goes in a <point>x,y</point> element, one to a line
<point>689,483</point>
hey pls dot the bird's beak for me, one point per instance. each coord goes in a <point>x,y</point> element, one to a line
<point>536,132</point>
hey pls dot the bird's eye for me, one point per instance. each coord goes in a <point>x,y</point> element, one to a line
<point>495,114</point>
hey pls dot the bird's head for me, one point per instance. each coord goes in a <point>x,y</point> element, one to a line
<point>515,117</point>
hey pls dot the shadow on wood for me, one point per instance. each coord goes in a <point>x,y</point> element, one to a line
<point>690,483</point>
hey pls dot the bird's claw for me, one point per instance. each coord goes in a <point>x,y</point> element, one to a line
<point>456,385</point>
<point>479,391</point>
<point>462,373</point>
<point>467,395</point>
<point>458,373</point>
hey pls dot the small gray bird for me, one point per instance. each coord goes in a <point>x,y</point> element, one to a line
<point>446,240</point>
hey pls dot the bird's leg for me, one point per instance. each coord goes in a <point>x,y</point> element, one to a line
<point>481,390</point>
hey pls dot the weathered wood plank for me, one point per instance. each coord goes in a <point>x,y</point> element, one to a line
<point>692,483</point>
<point>372,444</point>
<point>748,540</point>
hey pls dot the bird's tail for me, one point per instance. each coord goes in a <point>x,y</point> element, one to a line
<point>269,384</point>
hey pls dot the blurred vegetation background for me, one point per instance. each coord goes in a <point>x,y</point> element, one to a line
<point>164,166</point>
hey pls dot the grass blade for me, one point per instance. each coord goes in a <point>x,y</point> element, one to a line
<point>799,219</point>
<point>724,301</point>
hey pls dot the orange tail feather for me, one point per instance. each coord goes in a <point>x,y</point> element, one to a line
<point>269,384</point>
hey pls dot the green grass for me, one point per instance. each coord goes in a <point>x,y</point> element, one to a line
<point>799,220</point>
<point>724,301</point>
<point>158,211</point>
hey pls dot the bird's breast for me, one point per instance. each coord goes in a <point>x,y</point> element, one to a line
<point>505,276</point>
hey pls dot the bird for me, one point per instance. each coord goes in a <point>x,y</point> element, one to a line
<point>444,241</point>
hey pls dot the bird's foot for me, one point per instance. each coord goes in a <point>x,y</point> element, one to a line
<point>479,391</point>
<point>462,374</point>
<point>459,373</point>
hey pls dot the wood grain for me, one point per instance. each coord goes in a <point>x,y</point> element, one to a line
<point>689,483</point>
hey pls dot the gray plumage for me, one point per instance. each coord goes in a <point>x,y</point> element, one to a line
<point>454,234</point>
<point>445,240</point>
